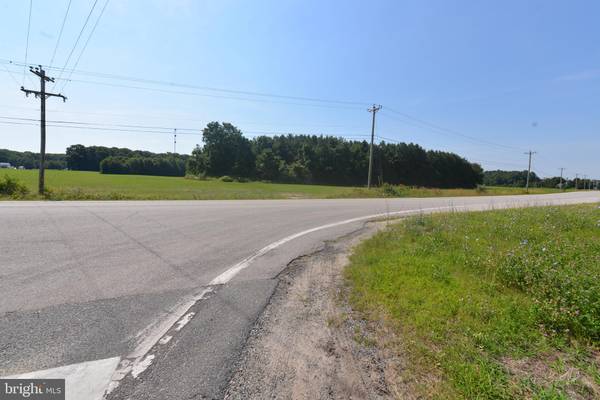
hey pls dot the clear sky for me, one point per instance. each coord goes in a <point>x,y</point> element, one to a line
<point>513,74</point>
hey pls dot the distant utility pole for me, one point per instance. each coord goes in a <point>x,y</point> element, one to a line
<point>175,141</point>
<point>561,177</point>
<point>43,95</point>
<point>576,181</point>
<point>529,170</point>
<point>372,110</point>
<point>584,181</point>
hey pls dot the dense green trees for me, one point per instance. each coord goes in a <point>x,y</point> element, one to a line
<point>161,166</point>
<point>285,158</point>
<point>326,160</point>
<point>509,178</point>
<point>519,179</point>
<point>226,152</point>
<point>82,158</point>
<point>31,160</point>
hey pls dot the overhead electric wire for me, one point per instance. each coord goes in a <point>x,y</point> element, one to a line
<point>190,86</point>
<point>85,45</point>
<point>97,128</point>
<point>103,124</point>
<point>174,116</point>
<point>448,131</point>
<point>11,75</point>
<point>76,41</point>
<point>215,96</point>
<point>27,41</point>
<point>522,168</point>
<point>146,128</point>
<point>62,27</point>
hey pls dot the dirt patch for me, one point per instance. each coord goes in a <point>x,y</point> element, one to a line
<point>555,370</point>
<point>307,344</point>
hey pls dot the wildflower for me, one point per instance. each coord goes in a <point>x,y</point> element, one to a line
<point>524,242</point>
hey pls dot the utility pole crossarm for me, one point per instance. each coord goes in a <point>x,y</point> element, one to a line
<point>37,94</point>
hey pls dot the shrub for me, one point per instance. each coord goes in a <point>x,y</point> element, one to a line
<point>226,178</point>
<point>12,187</point>
<point>388,190</point>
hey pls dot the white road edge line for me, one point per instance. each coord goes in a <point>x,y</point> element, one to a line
<point>154,334</point>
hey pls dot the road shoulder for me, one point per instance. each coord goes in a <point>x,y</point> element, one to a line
<point>307,342</point>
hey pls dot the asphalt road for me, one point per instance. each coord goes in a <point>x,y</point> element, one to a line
<point>87,281</point>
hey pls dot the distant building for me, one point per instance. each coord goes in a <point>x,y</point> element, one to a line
<point>5,165</point>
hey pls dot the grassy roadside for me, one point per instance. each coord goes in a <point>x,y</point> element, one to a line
<point>490,305</point>
<point>82,185</point>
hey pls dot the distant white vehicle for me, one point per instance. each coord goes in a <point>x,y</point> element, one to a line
<point>5,165</point>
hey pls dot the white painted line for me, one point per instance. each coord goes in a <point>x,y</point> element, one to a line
<point>165,339</point>
<point>184,321</point>
<point>86,380</point>
<point>142,365</point>
<point>153,334</point>
<point>233,271</point>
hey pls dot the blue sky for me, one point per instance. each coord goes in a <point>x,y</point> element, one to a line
<point>514,75</point>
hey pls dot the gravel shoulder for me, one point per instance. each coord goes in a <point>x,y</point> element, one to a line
<point>307,344</point>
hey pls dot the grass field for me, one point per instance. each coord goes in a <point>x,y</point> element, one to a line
<point>490,305</point>
<point>81,185</point>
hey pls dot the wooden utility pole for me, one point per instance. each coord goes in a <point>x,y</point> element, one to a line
<point>373,110</point>
<point>175,141</point>
<point>529,170</point>
<point>42,94</point>
<point>561,177</point>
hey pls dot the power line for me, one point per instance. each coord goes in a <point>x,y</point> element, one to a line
<point>11,75</point>
<point>148,129</point>
<point>77,41</point>
<point>188,93</point>
<point>93,128</point>
<point>206,88</point>
<point>27,41</point>
<point>62,27</point>
<point>496,162</point>
<point>85,45</point>
<point>100,124</point>
<point>183,117</point>
<point>212,95</point>
<point>442,130</point>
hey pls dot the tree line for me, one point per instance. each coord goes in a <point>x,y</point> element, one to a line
<point>114,160</point>
<point>519,179</point>
<point>159,166</point>
<point>30,160</point>
<point>326,160</point>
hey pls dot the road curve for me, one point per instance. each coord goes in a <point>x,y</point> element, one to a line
<point>87,281</point>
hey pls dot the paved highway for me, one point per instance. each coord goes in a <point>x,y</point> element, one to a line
<point>164,291</point>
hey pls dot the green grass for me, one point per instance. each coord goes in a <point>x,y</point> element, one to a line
<point>81,185</point>
<point>489,305</point>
